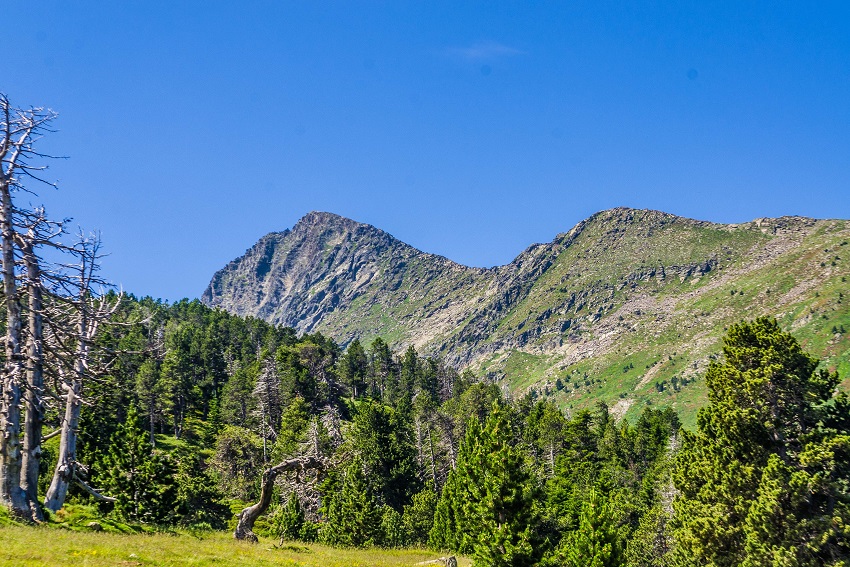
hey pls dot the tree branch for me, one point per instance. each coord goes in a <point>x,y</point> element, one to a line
<point>249,515</point>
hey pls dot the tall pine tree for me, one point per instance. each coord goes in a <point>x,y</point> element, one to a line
<point>353,517</point>
<point>764,479</point>
<point>597,542</point>
<point>488,505</point>
<point>141,479</point>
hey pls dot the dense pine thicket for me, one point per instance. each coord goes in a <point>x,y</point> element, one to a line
<point>198,403</point>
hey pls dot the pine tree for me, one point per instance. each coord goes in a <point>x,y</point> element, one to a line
<point>291,519</point>
<point>392,528</point>
<point>597,542</point>
<point>651,543</point>
<point>153,395</point>
<point>353,367</point>
<point>764,479</point>
<point>418,517</point>
<point>453,529</point>
<point>353,518</point>
<point>140,479</point>
<point>488,504</point>
<point>502,498</point>
<point>383,439</point>
<point>197,501</point>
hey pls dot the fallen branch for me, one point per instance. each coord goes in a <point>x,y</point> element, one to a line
<point>97,495</point>
<point>449,561</point>
<point>51,435</point>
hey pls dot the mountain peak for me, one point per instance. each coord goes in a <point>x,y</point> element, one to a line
<point>323,217</point>
<point>624,284</point>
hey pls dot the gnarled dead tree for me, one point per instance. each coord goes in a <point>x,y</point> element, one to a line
<point>247,517</point>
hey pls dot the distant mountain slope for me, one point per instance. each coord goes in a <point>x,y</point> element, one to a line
<point>626,308</point>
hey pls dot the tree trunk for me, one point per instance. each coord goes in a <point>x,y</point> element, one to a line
<point>11,493</point>
<point>66,464</point>
<point>249,515</point>
<point>433,460</point>
<point>152,423</point>
<point>35,380</point>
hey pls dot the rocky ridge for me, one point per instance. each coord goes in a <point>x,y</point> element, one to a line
<point>627,307</point>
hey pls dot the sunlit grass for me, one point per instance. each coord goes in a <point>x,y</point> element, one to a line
<point>24,545</point>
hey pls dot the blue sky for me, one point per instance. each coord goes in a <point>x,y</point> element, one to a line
<point>467,129</point>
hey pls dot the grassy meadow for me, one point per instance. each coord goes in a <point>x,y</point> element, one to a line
<point>27,545</point>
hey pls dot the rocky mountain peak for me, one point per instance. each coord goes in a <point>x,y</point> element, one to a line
<point>624,288</point>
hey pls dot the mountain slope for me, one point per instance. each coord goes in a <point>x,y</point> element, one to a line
<point>626,308</point>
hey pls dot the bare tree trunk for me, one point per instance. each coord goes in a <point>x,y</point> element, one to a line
<point>66,465</point>
<point>35,381</point>
<point>419,458</point>
<point>433,460</point>
<point>19,129</point>
<point>152,421</point>
<point>249,515</point>
<point>94,493</point>
<point>11,493</point>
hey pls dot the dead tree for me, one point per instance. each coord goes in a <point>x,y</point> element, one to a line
<point>19,130</point>
<point>51,318</point>
<point>267,392</point>
<point>74,336</point>
<point>39,232</point>
<point>247,517</point>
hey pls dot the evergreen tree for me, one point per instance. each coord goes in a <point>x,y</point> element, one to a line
<point>418,517</point>
<point>764,479</point>
<point>383,439</point>
<point>392,528</point>
<point>140,479</point>
<point>197,501</point>
<point>488,505</point>
<point>453,529</point>
<point>238,403</point>
<point>597,542</point>
<point>503,498</point>
<point>238,462</point>
<point>291,519</point>
<point>382,372</point>
<point>651,543</point>
<point>353,517</point>
<point>292,434</point>
<point>353,369</point>
<point>153,395</point>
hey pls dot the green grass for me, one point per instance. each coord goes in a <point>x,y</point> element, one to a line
<point>27,545</point>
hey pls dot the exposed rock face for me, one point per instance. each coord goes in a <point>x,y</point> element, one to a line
<point>624,284</point>
<point>332,273</point>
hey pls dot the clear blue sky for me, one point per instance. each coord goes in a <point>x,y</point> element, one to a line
<point>468,129</point>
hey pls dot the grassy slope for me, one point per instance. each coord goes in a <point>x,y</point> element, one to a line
<point>627,341</point>
<point>612,311</point>
<point>394,312</point>
<point>22,545</point>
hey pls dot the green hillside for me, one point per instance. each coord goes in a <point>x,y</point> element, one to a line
<point>627,308</point>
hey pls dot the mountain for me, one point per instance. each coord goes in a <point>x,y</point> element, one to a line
<point>627,307</point>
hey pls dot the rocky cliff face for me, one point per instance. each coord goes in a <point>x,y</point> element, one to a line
<point>345,278</point>
<point>618,309</point>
